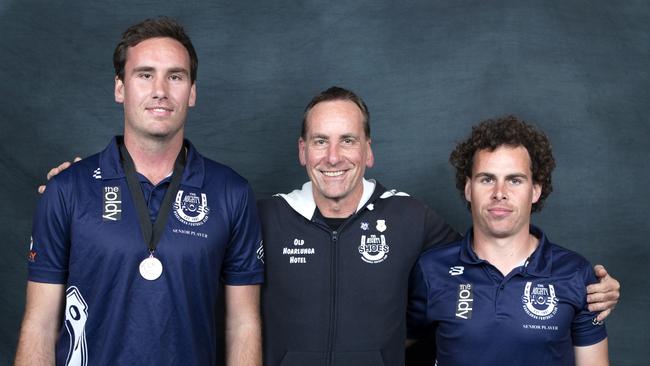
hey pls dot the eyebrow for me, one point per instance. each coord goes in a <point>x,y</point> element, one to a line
<point>509,176</point>
<point>172,70</point>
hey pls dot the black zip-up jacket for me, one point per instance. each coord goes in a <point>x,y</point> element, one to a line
<point>338,297</point>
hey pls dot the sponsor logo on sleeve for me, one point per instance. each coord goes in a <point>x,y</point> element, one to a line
<point>31,256</point>
<point>260,252</point>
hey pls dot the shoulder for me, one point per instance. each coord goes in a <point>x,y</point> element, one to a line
<point>398,200</point>
<point>215,171</point>
<point>446,253</point>
<point>567,262</point>
<point>83,172</point>
<point>271,203</point>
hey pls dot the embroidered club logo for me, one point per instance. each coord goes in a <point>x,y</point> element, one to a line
<point>381,226</point>
<point>365,226</point>
<point>539,301</point>
<point>373,248</point>
<point>191,209</point>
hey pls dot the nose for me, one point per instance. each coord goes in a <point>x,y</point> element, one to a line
<point>499,192</point>
<point>333,154</point>
<point>160,88</point>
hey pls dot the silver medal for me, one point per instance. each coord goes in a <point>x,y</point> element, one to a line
<point>151,268</point>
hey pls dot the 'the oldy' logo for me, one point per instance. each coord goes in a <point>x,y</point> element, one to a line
<point>191,209</point>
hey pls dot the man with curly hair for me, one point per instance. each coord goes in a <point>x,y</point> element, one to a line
<point>505,294</point>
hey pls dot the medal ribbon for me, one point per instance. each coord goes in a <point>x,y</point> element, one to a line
<point>151,232</point>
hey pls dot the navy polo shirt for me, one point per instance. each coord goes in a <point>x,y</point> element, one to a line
<point>533,316</point>
<point>86,236</point>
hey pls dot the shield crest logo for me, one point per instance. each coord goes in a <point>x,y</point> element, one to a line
<point>381,226</point>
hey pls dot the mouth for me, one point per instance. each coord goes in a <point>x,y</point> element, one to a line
<point>499,211</point>
<point>160,110</point>
<point>336,173</point>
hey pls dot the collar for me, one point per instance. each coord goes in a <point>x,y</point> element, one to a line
<point>110,165</point>
<point>302,200</point>
<point>539,264</point>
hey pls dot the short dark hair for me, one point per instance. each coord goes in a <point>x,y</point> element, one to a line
<point>337,93</point>
<point>508,131</point>
<point>153,28</point>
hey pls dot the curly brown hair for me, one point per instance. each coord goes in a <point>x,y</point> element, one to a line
<point>509,131</point>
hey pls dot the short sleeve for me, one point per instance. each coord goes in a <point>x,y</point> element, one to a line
<point>584,330</point>
<point>244,254</point>
<point>50,245</point>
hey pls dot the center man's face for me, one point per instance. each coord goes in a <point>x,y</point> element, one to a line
<point>336,151</point>
<point>501,191</point>
<point>157,89</point>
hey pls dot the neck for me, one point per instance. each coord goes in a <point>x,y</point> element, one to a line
<point>504,253</point>
<point>154,158</point>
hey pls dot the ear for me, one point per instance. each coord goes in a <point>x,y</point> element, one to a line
<point>537,192</point>
<point>119,90</point>
<point>468,189</point>
<point>192,100</point>
<point>370,158</point>
<point>301,152</point>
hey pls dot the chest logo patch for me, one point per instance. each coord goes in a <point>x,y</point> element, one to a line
<point>539,301</point>
<point>381,226</point>
<point>112,204</point>
<point>373,248</point>
<point>191,209</point>
<point>465,303</point>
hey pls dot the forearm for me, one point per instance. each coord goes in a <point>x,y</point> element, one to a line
<point>41,323</point>
<point>35,346</point>
<point>594,355</point>
<point>243,326</point>
<point>244,344</point>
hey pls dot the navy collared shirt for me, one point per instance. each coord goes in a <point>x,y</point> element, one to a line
<point>534,315</point>
<point>86,236</point>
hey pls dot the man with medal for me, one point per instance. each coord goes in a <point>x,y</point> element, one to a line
<point>129,245</point>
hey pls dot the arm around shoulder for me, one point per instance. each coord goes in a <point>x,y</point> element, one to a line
<point>243,325</point>
<point>41,323</point>
<point>594,355</point>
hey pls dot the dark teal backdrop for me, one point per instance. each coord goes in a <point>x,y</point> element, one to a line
<point>427,69</point>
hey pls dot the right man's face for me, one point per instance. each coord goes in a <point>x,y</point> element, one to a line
<point>336,151</point>
<point>501,191</point>
<point>157,89</point>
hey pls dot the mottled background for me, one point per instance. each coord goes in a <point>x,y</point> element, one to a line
<point>427,69</point>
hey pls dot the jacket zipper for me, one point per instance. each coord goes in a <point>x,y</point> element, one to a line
<point>333,288</point>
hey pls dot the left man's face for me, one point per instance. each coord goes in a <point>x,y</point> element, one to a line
<point>157,89</point>
<point>336,152</point>
<point>501,191</point>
